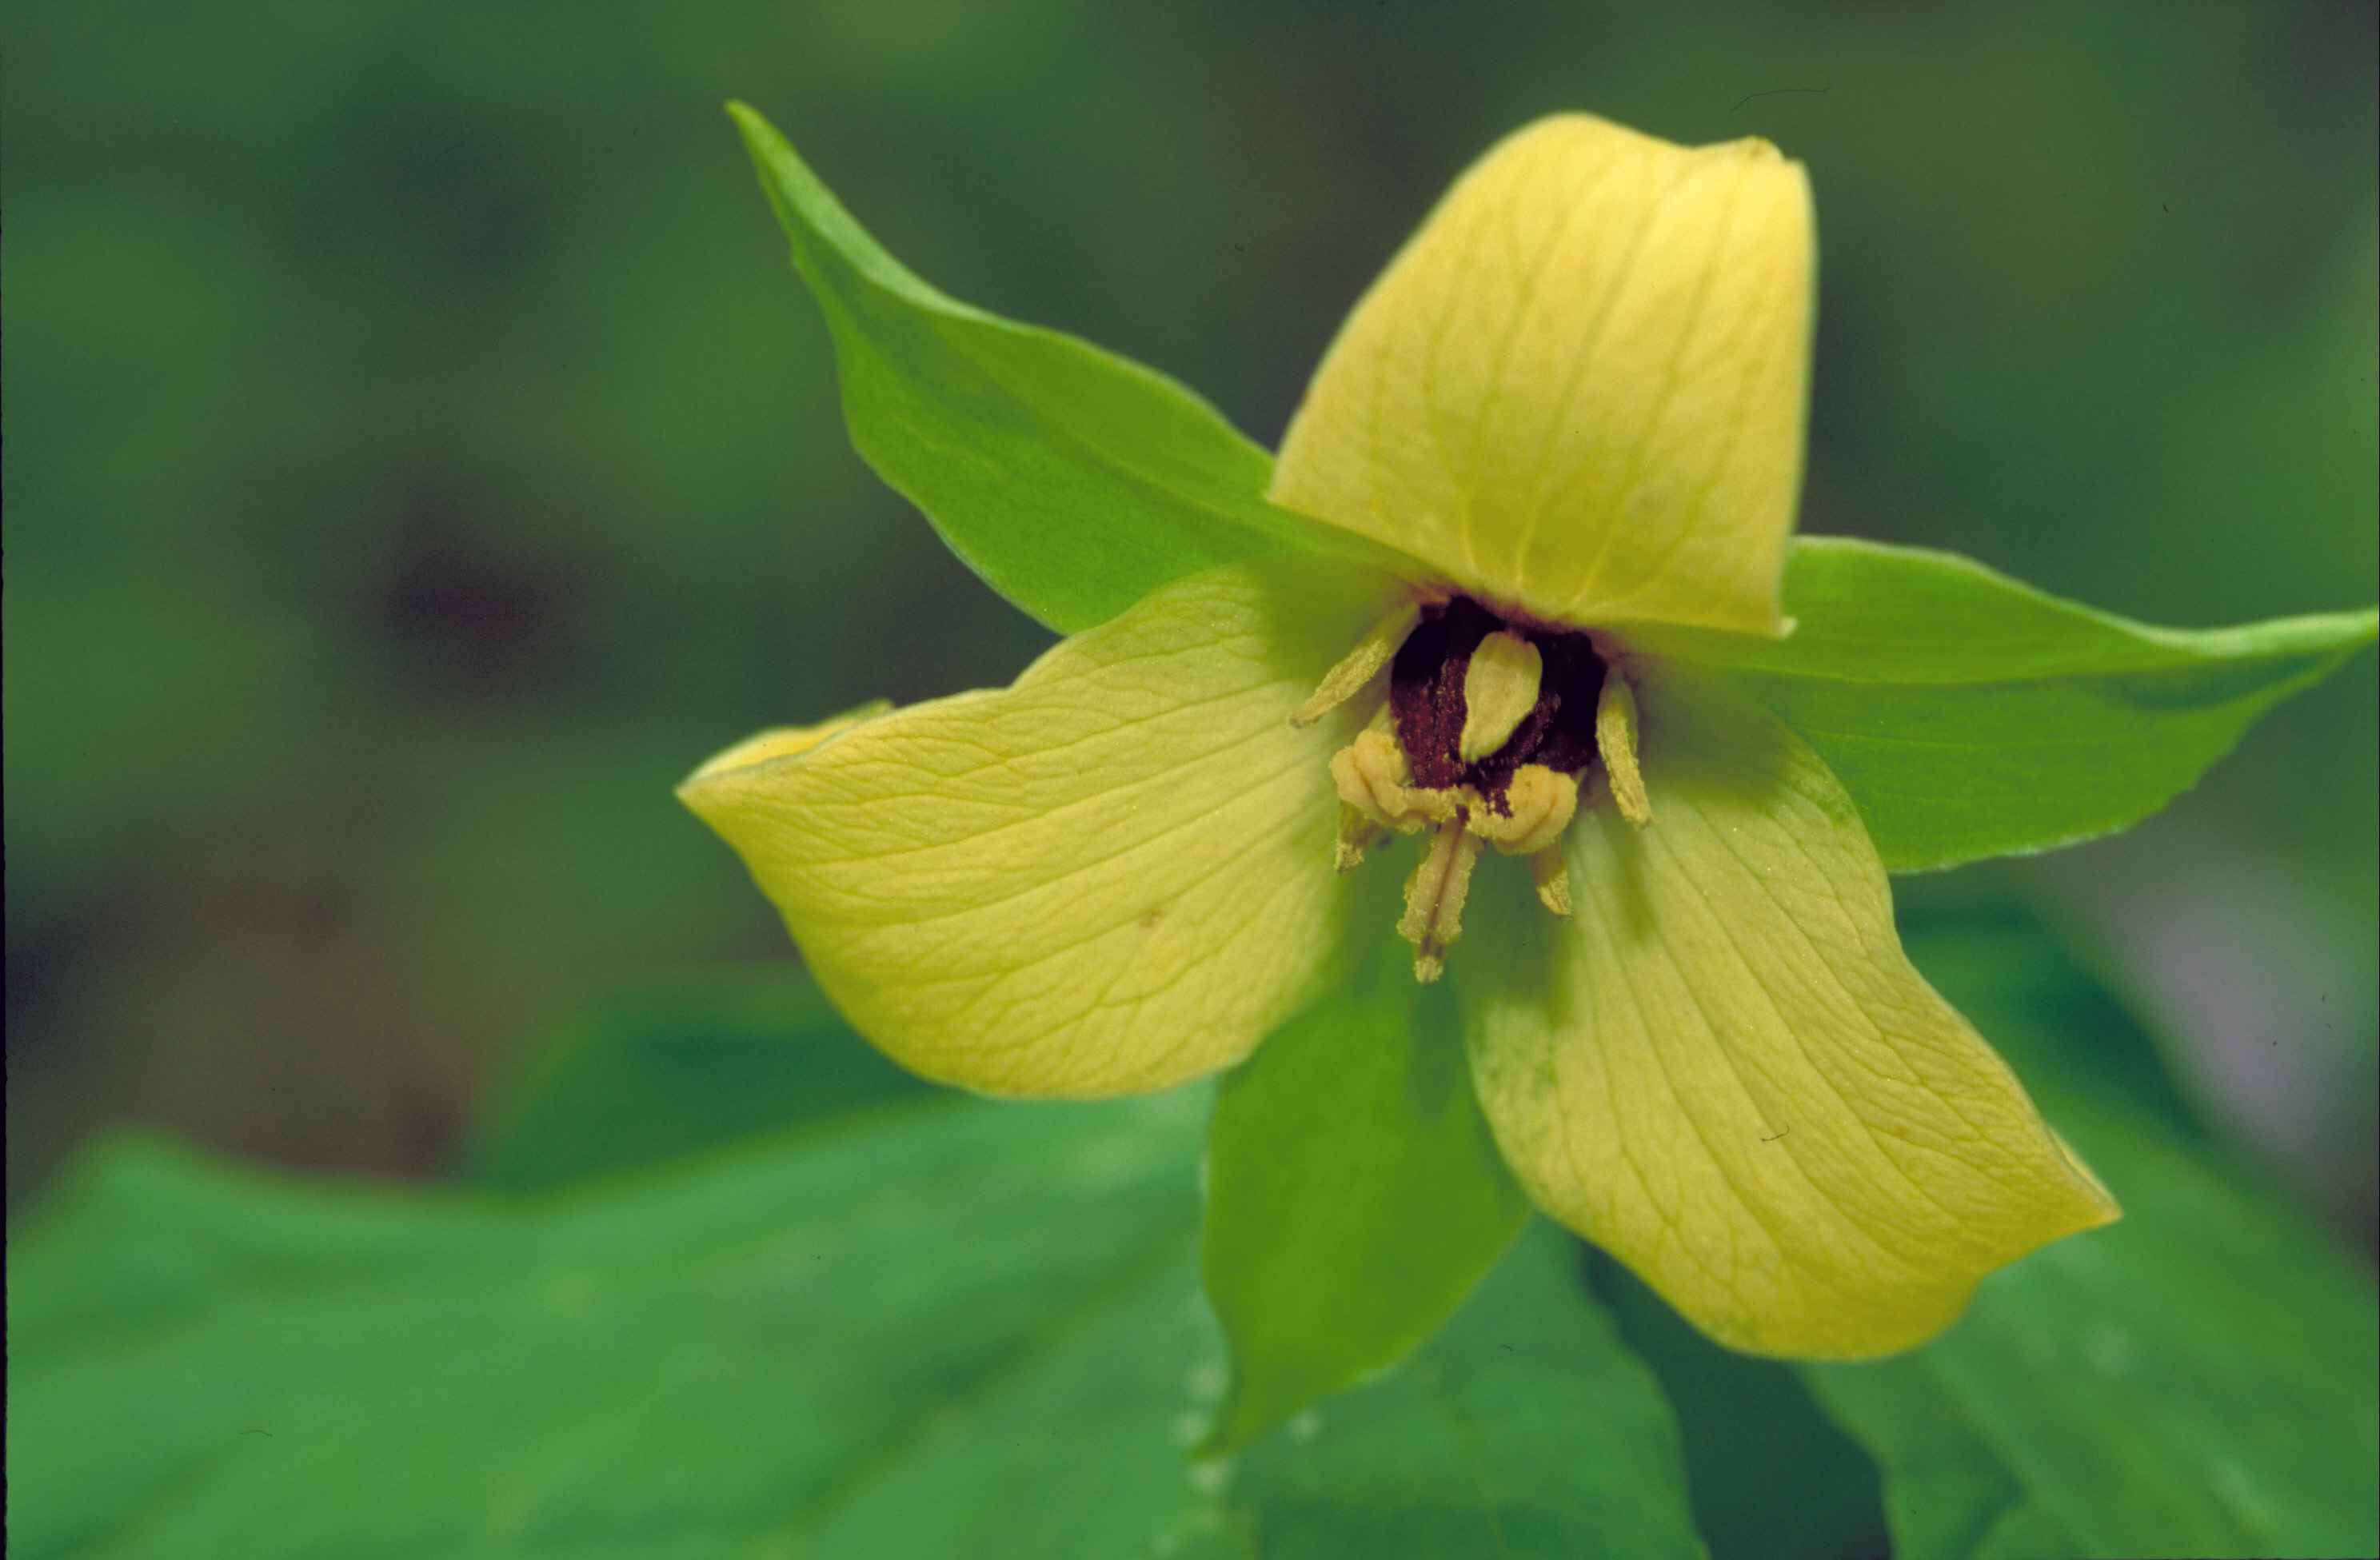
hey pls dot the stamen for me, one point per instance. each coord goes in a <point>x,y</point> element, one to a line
<point>1356,834</point>
<point>1499,688</point>
<point>1615,738</point>
<point>1359,666</point>
<point>1434,896</point>
<point>1540,804</point>
<point>1552,868</point>
<point>1373,778</point>
<point>1484,735</point>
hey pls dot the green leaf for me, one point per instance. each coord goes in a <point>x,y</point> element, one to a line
<point>969,1329</point>
<point>1355,1195</point>
<point>1771,1476</point>
<point>680,1069</point>
<point>1074,481</point>
<point>1525,1428</point>
<point>2198,1379</point>
<point>1972,716</point>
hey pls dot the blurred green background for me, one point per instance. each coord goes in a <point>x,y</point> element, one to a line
<point>419,455</point>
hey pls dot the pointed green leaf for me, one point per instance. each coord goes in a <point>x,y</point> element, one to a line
<point>1355,1196</point>
<point>2198,1379</point>
<point>1074,481</point>
<point>973,1328</point>
<point>1972,716</point>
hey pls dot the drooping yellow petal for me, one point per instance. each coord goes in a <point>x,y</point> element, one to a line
<point>1723,1069</point>
<point>1579,389</point>
<point>1112,876</point>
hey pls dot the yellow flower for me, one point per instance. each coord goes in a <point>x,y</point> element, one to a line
<point>1567,420</point>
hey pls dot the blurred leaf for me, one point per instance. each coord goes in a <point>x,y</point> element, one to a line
<point>1772,1477</point>
<point>1355,1196</point>
<point>972,1329</point>
<point>2198,1379</point>
<point>1074,481</point>
<point>1970,715</point>
<point>641,1082</point>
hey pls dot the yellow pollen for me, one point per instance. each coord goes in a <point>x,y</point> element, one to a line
<point>1615,739</point>
<point>1374,778</point>
<point>1551,870</point>
<point>1434,896</point>
<point>1356,833</point>
<point>1359,665</point>
<point>1542,800</point>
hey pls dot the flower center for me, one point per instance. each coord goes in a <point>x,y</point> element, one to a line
<point>1486,730</point>
<point>1460,672</point>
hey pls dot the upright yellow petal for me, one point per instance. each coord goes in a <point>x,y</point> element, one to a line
<point>1111,877</point>
<point>1723,1069</point>
<point>1579,389</point>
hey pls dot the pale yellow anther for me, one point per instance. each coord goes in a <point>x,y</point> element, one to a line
<point>1499,688</point>
<point>1356,833</point>
<point>1434,896</point>
<point>1552,869</point>
<point>1541,802</point>
<point>1615,739</point>
<point>1359,666</point>
<point>1373,778</point>
<point>1370,774</point>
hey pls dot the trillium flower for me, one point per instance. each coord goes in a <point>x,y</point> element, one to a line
<point>1495,672</point>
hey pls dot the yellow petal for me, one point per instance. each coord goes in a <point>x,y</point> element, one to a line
<point>1112,876</point>
<point>1723,1069</point>
<point>1579,389</point>
<point>784,741</point>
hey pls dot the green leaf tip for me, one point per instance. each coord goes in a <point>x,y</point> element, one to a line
<point>1970,714</point>
<point>1072,480</point>
<point>1339,1241</point>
